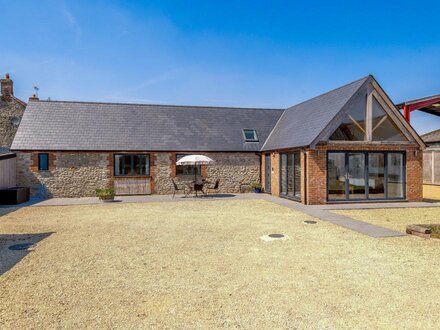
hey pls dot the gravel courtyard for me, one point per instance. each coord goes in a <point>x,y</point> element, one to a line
<point>202,264</point>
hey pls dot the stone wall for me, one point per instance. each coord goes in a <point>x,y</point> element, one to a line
<point>69,174</point>
<point>79,174</point>
<point>232,169</point>
<point>11,112</point>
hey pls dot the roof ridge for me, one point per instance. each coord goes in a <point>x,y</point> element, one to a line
<point>434,131</point>
<point>156,105</point>
<point>331,91</point>
<point>19,101</point>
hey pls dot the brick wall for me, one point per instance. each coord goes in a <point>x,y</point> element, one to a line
<point>275,172</point>
<point>314,169</point>
<point>317,165</point>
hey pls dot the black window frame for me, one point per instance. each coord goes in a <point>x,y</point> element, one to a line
<point>366,153</point>
<point>183,167</point>
<point>40,168</point>
<point>255,139</point>
<point>132,174</point>
<point>296,155</point>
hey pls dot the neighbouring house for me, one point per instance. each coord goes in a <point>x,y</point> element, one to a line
<point>350,144</point>
<point>11,112</point>
<point>431,160</point>
<point>431,155</point>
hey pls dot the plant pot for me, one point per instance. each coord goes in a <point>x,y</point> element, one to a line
<point>257,190</point>
<point>107,199</point>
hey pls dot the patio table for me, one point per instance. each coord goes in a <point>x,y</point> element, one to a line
<point>196,186</point>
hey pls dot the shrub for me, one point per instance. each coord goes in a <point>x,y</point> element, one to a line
<point>105,193</point>
<point>256,185</point>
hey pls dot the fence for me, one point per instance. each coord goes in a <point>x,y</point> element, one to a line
<point>8,172</point>
<point>431,166</point>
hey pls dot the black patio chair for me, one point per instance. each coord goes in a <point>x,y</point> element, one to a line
<point>177,188</point>
<point>213,187</point>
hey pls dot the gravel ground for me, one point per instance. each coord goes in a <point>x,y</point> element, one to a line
<point>202,264</point>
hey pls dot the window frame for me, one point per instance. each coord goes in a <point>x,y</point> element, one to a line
<point>147,168</point>
<point>296,195</point>
<point>39,161</point>
<point>199,167</point>
<point>366,175</point>
<point>255,139</point>
<point>369,123</point>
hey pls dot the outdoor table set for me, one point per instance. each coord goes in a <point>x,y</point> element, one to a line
<point>199,184</point>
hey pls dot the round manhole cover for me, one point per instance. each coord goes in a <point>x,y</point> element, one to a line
<point>20,247</point>
<point>310,222</point>
<point>276,235</point>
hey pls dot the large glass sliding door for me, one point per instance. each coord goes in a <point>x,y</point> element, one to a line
<point>376,175</point>
<point>395,175</point>
<point>365,175</point>
<point>336,175</point>
<point>290,175</point>
<point>356,176</point>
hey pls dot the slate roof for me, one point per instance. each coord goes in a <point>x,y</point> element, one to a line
<point>64,125</point>
<point>302,123</point>
<point>431,137</point>
<point>60,125</point>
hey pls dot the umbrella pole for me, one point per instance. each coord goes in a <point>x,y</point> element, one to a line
<point>195,178</point>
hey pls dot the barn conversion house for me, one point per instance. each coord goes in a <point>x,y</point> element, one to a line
<point>350,144</point>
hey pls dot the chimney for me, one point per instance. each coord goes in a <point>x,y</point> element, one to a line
<point>7,88</point>
<point>33,98</point>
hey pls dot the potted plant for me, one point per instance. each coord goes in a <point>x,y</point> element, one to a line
<point>257,187</point>
<point>106,194</point>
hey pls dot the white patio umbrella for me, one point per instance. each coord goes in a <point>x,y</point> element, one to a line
<point>195,160</point>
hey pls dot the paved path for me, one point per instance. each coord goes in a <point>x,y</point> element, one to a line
<point>319,211</point>
<point>377,205</point>
<point>340,220</point>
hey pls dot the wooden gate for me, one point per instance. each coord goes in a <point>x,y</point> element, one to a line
<point>8,170</point>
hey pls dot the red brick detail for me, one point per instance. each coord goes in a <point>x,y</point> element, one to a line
<point>34,159</point>
<point>153,171</point>
<point>110,169</point>
<point>317,168</point>
<point>173,159</point>
<point>275,173</point>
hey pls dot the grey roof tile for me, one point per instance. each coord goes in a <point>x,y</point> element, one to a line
<point>431,137</point>
<point>63,125</point>
<point>302,123</point>
<point>60,125</point>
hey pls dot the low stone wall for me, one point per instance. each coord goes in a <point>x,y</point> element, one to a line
<point>69,174</point>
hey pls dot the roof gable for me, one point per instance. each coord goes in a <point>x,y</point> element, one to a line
<point>301,124</point>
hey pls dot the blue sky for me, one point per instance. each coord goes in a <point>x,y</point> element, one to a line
<point>231,53</point>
